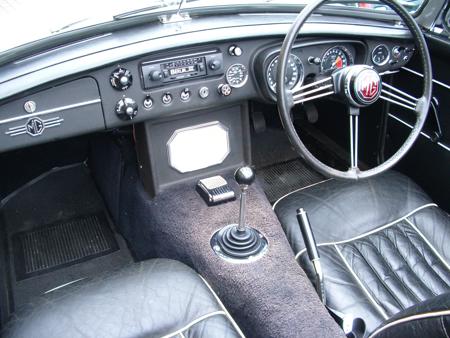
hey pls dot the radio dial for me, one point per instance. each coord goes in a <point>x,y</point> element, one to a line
<point>215,64</point>
<point>156,75</point>
<point>121,79</point>
<point>126,109</point>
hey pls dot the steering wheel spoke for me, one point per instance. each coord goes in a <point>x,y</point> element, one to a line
<point>396,96</point>
<point>354,124</point>
<point>314,90</point>
<point>358,85</point>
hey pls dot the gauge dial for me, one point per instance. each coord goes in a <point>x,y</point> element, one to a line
<point>335,58</point>
<point>294,73</point>
<point>380,55</point>
<point>237,75</point>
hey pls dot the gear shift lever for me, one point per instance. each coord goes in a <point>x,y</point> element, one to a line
<point>240,242</point>
<point>244,176</point>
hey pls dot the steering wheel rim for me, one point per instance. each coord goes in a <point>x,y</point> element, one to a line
<point>285,98</point>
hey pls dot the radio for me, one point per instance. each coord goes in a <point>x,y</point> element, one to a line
<point>162,71</point>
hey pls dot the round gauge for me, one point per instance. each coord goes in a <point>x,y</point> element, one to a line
<point>335,58</point>
<point>237,75</point>
<point>294,73</point>
<point>380,55</point>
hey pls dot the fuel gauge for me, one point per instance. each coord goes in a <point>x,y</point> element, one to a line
<point>380,55</point>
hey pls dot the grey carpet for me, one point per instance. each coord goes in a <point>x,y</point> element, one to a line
<point>58,195</point>
<point>270,147</point>
<point>268,298</point>
<point>280,179</point>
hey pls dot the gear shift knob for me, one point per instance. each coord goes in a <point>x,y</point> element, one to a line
<point>244,176</point>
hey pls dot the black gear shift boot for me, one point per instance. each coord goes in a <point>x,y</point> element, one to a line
<point>231,243</point>
<point>239,242</point>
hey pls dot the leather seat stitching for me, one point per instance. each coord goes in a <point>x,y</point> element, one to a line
<point>410,319</point>
<point>423,258</point>
<point>374,230</point>
<point>438,255</point>
<point>227,314</point>
<point>411,268</point>
<point>443,327</point>
<point>392,269</point>
<point>290,193</point>
<point>394,297</point>
<point>194,322</point>
<point>361,285</point>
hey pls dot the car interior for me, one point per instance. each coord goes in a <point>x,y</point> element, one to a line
<point>226,169</point>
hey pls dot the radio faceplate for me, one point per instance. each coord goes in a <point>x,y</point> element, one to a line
<point>159,72</point>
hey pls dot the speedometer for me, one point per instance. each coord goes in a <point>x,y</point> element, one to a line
<point>335,58</point>
<point>294,72</point>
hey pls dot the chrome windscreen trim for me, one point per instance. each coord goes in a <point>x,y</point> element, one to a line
<point>50,111</point>
<point>182,37</point>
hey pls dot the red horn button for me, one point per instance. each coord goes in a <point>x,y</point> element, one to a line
<point>367,86</point>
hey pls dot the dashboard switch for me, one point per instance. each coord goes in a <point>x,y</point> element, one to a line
<point>121,79</point>
<point>314,60</point>
<point>203,92</point>
<point>126,109</point>
<point>224,89</point>
<point>148,102</point>
<point>235,50</point>
<point>167,98</point>
<point>185,95</point>
<point>397,52</point>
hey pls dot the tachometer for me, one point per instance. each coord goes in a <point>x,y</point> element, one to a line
<point>294,73</point>
<point>335,58</point>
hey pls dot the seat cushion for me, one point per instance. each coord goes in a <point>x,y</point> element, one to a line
<point>383,244</point>
<point>155,298</point>
<point>430,318</point>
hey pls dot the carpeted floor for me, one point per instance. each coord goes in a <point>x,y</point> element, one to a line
<point>57,231</point>
<point>279,179</point>
<point>268,298</point>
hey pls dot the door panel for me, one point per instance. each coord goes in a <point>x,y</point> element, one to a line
<point>428,162</point>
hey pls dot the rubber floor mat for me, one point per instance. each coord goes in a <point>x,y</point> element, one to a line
<point>282,178</point>
<point>55,246</point>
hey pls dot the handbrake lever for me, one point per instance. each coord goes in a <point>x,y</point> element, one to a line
<point>353,327</point>
<point>311,249</point>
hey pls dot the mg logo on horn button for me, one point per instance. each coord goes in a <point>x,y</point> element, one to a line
<point>367,86</point>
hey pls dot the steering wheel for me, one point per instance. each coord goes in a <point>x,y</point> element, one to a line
<point>358,86</point>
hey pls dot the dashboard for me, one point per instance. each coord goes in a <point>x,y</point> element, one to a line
<point>168,82</point>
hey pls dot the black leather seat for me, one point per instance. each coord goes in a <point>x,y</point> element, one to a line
<point>156,298</point>
<point>384,245</point>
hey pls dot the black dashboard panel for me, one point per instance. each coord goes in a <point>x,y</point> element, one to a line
<point>180,72</point>
<point>69,109</point>
<point>157,99</point>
